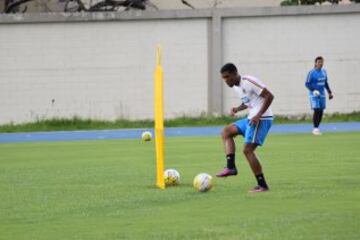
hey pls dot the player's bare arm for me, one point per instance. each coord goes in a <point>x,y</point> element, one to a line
<point>327,87</point>
<point>268,98</point>
<point>235,110</point>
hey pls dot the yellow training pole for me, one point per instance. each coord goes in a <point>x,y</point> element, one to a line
<point>159,121</point>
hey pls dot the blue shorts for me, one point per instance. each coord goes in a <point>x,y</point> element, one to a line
<point>318,102</point>
<point>254,133</point>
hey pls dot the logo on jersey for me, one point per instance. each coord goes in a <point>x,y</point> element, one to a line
<point>245,100</point>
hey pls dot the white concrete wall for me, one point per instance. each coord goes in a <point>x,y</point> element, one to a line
<point>101,70</point>
<point>280,51</point>
<point>104,69</point>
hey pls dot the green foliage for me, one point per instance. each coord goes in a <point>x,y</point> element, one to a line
<point>307,2</point>
<point>77,123</point>
<point>289,3</point>
<point>105,190</point>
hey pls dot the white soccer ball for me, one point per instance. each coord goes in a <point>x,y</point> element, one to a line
<point>203,182</point>
<point>146,136</point>
<point>171,177</point>
<point>316,93</point>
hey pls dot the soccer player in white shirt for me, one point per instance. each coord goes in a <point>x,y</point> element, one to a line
<point>257,99</point>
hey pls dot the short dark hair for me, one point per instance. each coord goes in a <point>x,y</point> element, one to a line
<point>229,67</point>
<point>319,58</point>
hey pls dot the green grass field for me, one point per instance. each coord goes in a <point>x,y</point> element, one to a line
<point>105,190</point>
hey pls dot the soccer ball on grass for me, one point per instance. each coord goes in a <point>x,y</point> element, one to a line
<point>171,177</point>
<point>203,182</point>
<point>146,136</point>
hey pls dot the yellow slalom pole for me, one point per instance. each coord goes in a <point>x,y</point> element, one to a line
<point>159,121</point>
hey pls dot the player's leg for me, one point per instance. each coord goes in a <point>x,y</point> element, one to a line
<point>228,134</point>
<point>321,112</point>
<point>249,152</point>
<point>254,137</point>
<point>316,117</point>
<point>322,105</point>
<point>318,112</point>
<point>316,106</point>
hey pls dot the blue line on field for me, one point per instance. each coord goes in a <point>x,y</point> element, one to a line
<point>181,131</point>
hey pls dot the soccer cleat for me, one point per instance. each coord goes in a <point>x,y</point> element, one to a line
<point>258,189</point>
<point>316,131</point>
<point>227,172</point>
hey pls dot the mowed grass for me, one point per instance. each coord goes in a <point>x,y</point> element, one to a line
<point>105,190</point>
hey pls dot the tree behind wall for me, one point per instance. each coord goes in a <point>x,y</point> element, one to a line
<point>311,2</point>
<point>13,6</point>
<point>19,6</point>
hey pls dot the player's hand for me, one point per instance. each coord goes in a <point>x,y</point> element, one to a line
<point>331,96</point>
<point>233,111</point>
<point>255,120</point>
<point>316,93</point>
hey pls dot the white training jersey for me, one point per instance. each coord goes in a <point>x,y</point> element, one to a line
<point>249,92</point>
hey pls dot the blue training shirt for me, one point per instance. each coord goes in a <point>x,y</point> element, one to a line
<point>316,80</point>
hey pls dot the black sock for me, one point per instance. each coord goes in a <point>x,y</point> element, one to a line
<point>320,116</point>
<point>261,181</point>
<point>230,158</point>
<point>317,117</point>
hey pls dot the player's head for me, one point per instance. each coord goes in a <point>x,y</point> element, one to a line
<point>319,62</point>
<point>230,74</point>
